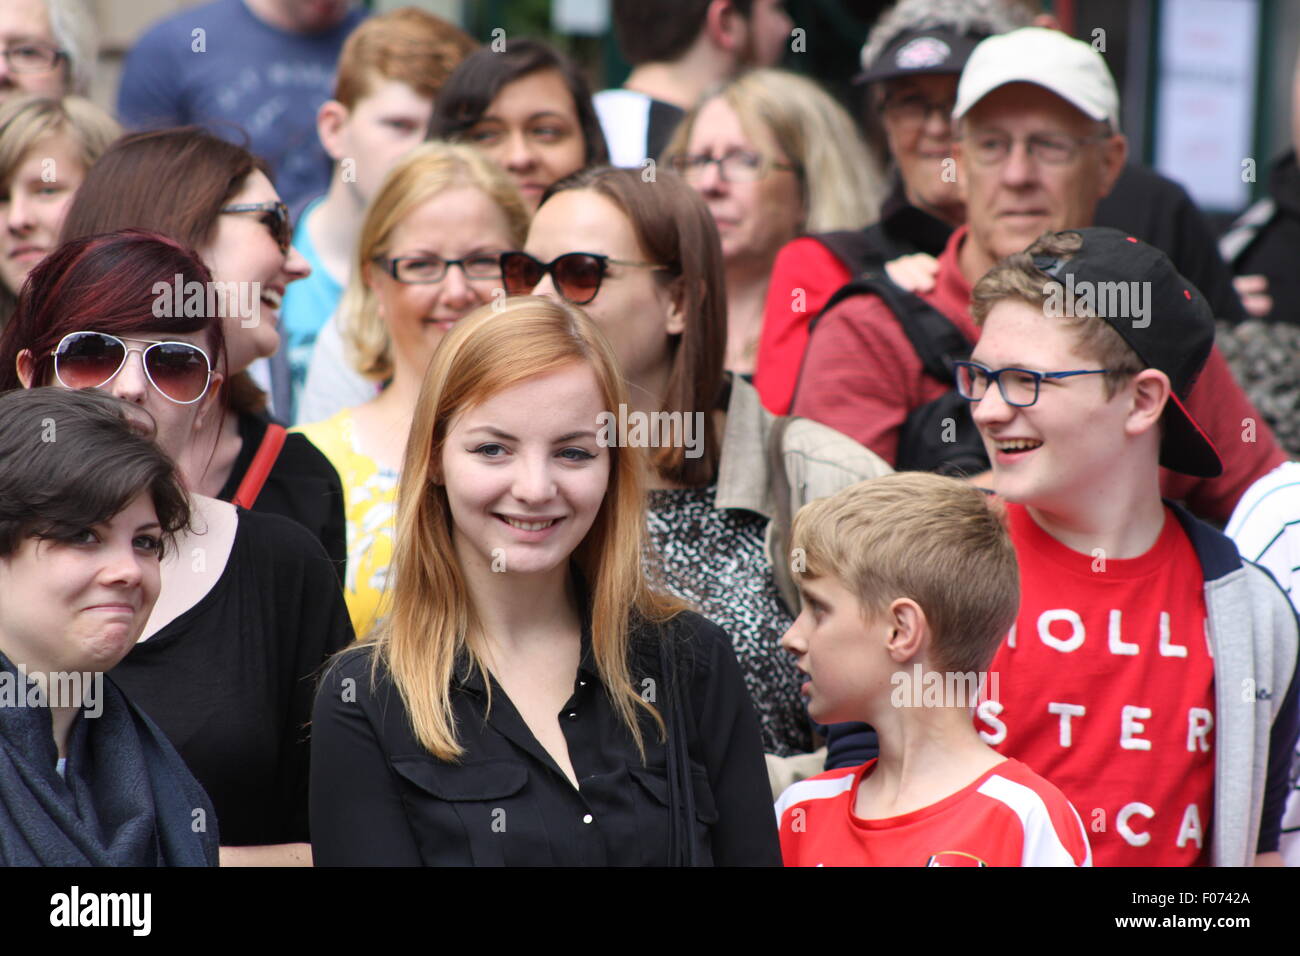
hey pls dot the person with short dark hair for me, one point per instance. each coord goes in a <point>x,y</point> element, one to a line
<point>909,584</point>
<point>89,505</point>
<point>250,605</point>
<point>679,50</point>
<point>529,108</point>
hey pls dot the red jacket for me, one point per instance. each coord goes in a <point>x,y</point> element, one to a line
<point>862,377</point>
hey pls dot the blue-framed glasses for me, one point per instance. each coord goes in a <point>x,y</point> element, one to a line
<point>1019,386</point>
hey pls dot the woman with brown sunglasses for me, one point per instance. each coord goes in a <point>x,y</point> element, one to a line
<point>643,259</point>
<point>216,197</point>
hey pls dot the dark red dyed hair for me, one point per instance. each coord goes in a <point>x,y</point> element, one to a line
<point>102,283</point>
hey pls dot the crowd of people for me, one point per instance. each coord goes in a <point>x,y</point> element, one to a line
<point>411,457</point>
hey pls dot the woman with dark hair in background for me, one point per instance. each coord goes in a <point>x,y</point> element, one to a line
<point>215,197</point>
<point>250,605</point>
<point>86,779</point>
<point>529,108</point>
<point>643,259</point>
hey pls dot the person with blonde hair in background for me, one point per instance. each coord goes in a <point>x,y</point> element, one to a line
<point>530,700</point>
<point>427,254</point>
<point>774,157</point>
<point>46,146</point>
<point>390,71</point>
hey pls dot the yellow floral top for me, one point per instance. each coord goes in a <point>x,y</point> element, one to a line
<point>369,506</point>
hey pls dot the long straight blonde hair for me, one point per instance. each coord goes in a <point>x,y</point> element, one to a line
<point>433,623</point>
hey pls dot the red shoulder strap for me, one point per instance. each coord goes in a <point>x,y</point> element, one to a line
<point>260,467</point>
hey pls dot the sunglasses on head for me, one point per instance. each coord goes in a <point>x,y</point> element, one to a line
<point>577,275</point>
<point>274,215</point>
<point>180,371</point>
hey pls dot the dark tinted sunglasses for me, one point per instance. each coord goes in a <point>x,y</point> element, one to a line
<point>577,275</point>
<point>180,371</point>
<point>274,215</point>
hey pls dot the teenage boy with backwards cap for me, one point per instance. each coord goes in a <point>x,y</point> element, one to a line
<point>910,583</point>
<point>1036,147</point>
<point>1150,673</point>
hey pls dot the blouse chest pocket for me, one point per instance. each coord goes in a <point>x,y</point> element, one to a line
<point>653,783</point>
<point>471,814</point>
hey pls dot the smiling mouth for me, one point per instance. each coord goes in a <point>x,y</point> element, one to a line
<point>1017,446</point>
<point>529,525</point>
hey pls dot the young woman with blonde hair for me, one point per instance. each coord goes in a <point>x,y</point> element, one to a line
<point>774,157</point>
<point>428,253</point>
<point>529,700</point>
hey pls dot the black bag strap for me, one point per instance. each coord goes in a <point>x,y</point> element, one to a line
<point>681,788</point>
<point>933,336</point>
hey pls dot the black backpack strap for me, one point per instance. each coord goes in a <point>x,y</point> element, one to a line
<point>933,336</point>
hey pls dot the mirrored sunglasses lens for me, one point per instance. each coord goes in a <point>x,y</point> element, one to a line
<point>88,361</point>
<point>180,371</point>
<point>578,277</point>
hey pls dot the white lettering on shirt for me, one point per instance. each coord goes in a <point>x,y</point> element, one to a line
<point>1199,723</point>
<point>1066,711</point>
<point>1117,644</point>
<point>1121,823</point>
<point>1130,726</point>
<point>1048,618</point>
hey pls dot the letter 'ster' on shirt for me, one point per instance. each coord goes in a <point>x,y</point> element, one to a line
<point>1105,686</point>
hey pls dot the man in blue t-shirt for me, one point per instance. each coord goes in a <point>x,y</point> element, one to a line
<point>261,67</point>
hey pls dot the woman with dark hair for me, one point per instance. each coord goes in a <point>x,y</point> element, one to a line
<point>643,259</point>
<point>86,779</point>
<point>216,197</point>
<point>250,604</point>
<point>529,108</point>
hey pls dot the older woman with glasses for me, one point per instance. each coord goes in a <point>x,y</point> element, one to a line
<point>249,606</point>
<point>427,255</point>
<point>774,156</point>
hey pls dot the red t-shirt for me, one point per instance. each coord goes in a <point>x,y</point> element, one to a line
<point>804,277</point>
<point>1010,816</point>
<point>1105,686</point>
<point>862,377</point>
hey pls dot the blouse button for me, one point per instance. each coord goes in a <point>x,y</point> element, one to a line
<point>573,715</point>
<point>587,818</point>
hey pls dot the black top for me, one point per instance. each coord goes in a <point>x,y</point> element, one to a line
<point>230,681</point>
<point>1154,209</point>
<point>302,485</point>
<point>377,797</point>
<point>1272,252</point>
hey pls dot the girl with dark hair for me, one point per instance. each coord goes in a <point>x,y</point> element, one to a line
<point>216,197</point>
<point>88,506</point>
<point>644,260</point>
<point>529,108</point>
<point>250,604</point>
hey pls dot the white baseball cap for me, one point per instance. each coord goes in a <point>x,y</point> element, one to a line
<point>1070,68</point>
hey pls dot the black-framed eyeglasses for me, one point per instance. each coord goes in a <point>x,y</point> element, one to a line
<point>577,275</point>
<point>738,166</point>
<point>1019,386</point>
<point>180,371</point>
<point>274,215</point>
<point>419,270</point>
<point>1051,149</point>
<point>914,109</point>
<point>33,57</point>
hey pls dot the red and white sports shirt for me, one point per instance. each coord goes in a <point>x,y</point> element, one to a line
<point>1010,816</point>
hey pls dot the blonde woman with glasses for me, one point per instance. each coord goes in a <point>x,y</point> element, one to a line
<point>427,254</point>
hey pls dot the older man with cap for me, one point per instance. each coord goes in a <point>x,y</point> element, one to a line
<point>911,63</point>
<point>1035,151</point>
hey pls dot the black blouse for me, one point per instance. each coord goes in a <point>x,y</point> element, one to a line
<point>302,485</point>
<point>231,680</point>
<point>379,798</point>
